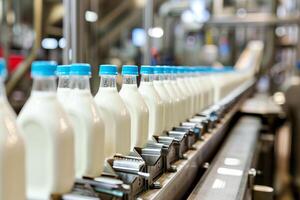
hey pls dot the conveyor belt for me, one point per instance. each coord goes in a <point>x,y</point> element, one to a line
<point>227,178</point>
<point>175,185</point>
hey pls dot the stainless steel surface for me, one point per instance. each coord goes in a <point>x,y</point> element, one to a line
<point>67,30</point>
<point>227,179</point>
<point>148,21</point>
<point>252,20</point>
<point>174,185</point>
<point>154,163</point>
<point>75,31</point>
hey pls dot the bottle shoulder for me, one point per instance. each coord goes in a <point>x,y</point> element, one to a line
<point>110,104</point>
<point>43,112</point>
<point>83,106</point>
<point>9,131</point>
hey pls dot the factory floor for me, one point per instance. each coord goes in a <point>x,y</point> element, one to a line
<point>282,183</point>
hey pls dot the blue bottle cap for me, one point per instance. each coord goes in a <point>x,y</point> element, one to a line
<point>228,69</point>
<point>189,70</point>
<point>108,70</point>
<point>80,69</point>
<point>186,69</point>
<point>43,68</point>
<point>193,69</point>
<point>130,70</point>
<point>177,69</point>
<point>181,70</point>
<point>63,70</point>
<point>158,70</point>
<point>146,69</point>
<point>167,69</point>
<point>204,69</point>
<point>173,70</point>
<point>3,70</point>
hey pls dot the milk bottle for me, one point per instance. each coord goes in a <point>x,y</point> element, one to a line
<point>176,105</point>
<point>182,93</point>
<point>198,89</point>
<point>115,114</point>
<point>12,152</point>
<point>87,123</point>
<point>190,85</point>
<point>136,106</point>
<point>205,76</point>
<point>193,86</point>
<point>63,89</point>
<point>48,137</point>
<point>218,82</point>
<point>181,97</point>
<point>163,93</point>
<point>153,101</point>
<point>203,88</point>
<point>185,88</point>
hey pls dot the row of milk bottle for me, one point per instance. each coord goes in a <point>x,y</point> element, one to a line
<point>62,133</point>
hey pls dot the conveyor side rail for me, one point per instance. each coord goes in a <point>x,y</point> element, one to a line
<point>227,177</point>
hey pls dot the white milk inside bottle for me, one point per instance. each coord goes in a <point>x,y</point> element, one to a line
<point>193,86</point>
<point>116,117</point>
<point>176,105</point>
<point>63,89</point>
<point>184,88</point>
<point>183,93</point>
<point>87,123</point>
<point>136,106</point>
<point>162,92</point>
<point>153,101</point>
<point>191,89</point>
<point>180,94</point>
<point>231,80</point>
<point>206,74</point>
<point>48,137</point>
<point>218,82</point>
<point>200,88</point>
<point>12,152</point>
<point>203,87</point>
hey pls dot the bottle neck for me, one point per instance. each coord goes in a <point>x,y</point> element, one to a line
<point>179,76</point>
<point>182,75</point>
<point>147,78</point>
<point>129,79</point>
<point>108,81</point>
<point>80,82</point>
<point>64,82</point>
<point>173,77</point>
<point>158,77</point>
<point>167,77</point>
<point>44,84</point>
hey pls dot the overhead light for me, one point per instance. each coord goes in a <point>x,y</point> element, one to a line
<point>62,43</point>
<point>156,32</point>
<point>187,16</point>
<point>140,3</point>
<point>91,16</point>
<point>49,43</point>
<point>138,37</point>
<point>279,98</point>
